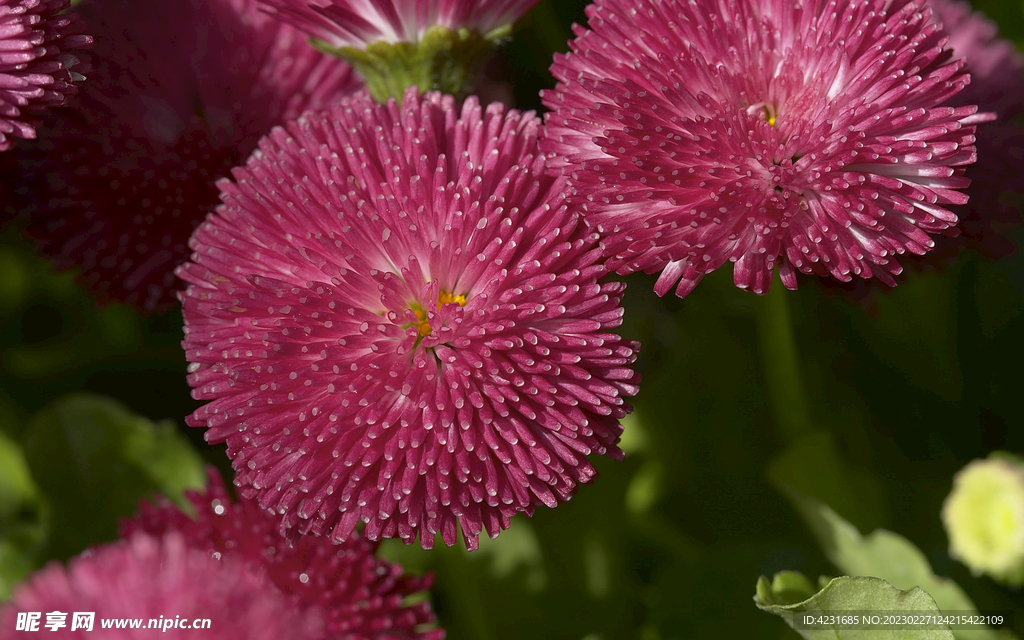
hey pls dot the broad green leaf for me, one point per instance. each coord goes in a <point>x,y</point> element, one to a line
<point>886,555</point>
<point>846,594</point>
<point>94,459</point>
<point>24,520</point>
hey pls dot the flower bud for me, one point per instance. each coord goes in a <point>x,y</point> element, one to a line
<point>984,517</point>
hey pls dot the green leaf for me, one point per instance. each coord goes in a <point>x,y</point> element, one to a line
<point>846,594</point>
<point>786,588</point>
<point>24,518</point>
<point>886,555</point>
<point>94,459</point>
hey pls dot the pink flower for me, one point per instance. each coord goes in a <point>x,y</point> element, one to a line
<point>357,23</point>
<point>994,63</point>
<point>997,85</point>
<point>397,319</point>
<point>158,579</point>
<point>37,54</point>
<point>181,92</point>
<point>761,132</point>
<point>360,596</point>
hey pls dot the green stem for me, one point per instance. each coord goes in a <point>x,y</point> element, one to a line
<point>464,592</point>
<point>780,364</point>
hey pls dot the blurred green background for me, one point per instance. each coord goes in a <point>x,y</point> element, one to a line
<point>900,389</point>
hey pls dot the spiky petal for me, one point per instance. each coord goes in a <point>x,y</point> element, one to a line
<point>807,136</point>
<point>149,578</point>
<point>397,319</point>
<point>39,63</point>
<point>994,63</point>
<point>180,93</point>
<point>360,596</point>
<point>357,23</point>
<point>997,86</point>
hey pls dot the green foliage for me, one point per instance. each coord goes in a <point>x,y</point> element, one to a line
<point>887,555</point>
<point>787,596</point>
<point>813,475</point>
<point>24,517</point>
<point>94,459</point>
<point>785,589</point>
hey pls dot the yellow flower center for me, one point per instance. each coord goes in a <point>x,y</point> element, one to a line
<point>422,326</point>
<point>766,110</point>
<point>446,297</point>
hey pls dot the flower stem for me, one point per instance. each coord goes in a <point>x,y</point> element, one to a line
<point>780,364</point>
<point>467,602</point>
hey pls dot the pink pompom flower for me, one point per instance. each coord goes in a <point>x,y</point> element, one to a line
<point>357,23</point>
<point>397,319</point>
<point>808,136</point>
<point>159,579</point>
<point>180,93</point>
<point>359,596</point>
<point>997,85</point>
<point>995,64</point>
<point>39,64</point>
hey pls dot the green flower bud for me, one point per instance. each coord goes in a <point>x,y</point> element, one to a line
<point>443,60</point>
